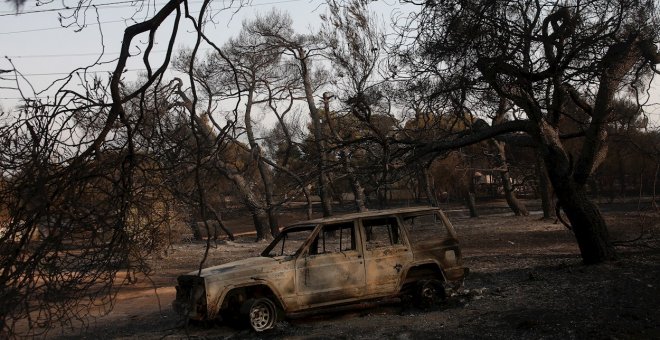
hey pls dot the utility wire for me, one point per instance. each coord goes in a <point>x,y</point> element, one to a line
<point>111,5</point>
<point>5,14</point>
<point>76,72</point>
<point>62,27</point>
<point>123,20</point>
<point>85,54</point>
<point>66,55</point>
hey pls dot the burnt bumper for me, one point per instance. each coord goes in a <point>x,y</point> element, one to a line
<point>190,299</point>
<point>456,273</point>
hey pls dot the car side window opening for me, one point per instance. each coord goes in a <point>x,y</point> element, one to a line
<point>381,232</point>
<point>423,227</point>
<point>334,238</point>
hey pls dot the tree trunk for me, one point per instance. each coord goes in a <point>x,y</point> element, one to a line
<point>324,193</point>
<point>259,215</point>
<point>545,189</point>
<point>428,187</point>
<point>622,176</point>
<point>587,224</point>
<point>654,204</point>
<point>471,204</point>
<point>260,219</point>
<point>471,196</point>
<point>221,224</point>
<point>585,218</point>
<point>358,190</point>
<point>323,181</point>
<point>267,180</point>
<point>516,205</point>
<point>264,171</point>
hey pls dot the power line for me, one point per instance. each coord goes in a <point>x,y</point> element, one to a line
<point>32,56</point>
<point>124,20</point>
<point>86,54</point>
<point>76,72</point>
<point>19,98</point>
<point>62,8</point>
<point>111,5</point>
<point>60,27</point>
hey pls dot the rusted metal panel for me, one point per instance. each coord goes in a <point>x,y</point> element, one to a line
<point>329,277</point>
<point>384,268</point>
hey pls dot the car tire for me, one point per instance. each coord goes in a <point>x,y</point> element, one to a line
<point>429,293</point>
<point>261,313</point>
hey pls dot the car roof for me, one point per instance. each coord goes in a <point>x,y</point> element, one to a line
<point>367,214</point>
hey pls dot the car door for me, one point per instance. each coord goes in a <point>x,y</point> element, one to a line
<point>386,252</point>
<point>331,270</point>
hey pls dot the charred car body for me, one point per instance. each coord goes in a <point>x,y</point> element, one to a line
<point>330,262</point>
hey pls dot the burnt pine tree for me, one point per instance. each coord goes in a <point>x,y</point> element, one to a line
<point>548,59</point>
<point>78,169</point>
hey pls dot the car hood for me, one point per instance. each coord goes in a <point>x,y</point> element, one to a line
<point>245,267</point>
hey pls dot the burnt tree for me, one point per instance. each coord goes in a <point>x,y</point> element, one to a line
<point>548,60</point>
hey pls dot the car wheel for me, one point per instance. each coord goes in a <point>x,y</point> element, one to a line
<point>429,293</point>
<point>261,313</point>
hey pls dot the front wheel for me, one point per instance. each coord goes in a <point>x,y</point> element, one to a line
<point>429,293</point>
<point>261,313</point>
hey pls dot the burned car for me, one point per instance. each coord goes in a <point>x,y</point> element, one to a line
<point>330,262</point>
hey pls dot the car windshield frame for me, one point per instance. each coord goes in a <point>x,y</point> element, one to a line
<point>284,233</point>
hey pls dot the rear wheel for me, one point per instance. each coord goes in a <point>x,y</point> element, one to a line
<point>261,313</point>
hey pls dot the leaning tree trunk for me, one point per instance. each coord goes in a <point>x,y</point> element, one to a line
<point>514,203</point>
<point>264,171</point>
<point>221,223</point>
<point>259,215</point>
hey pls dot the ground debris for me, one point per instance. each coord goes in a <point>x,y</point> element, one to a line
<point>540,291</point>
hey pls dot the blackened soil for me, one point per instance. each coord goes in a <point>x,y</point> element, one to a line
<point>527,281</point>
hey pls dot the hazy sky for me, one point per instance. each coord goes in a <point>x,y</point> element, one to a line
<point>43,51</point>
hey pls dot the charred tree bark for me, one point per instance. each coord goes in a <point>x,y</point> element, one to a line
<point>259,214</point>
<point>654,204</point>
<point>516,206</point>
<point>586,221</point>
<point>514,203</point>
<point>221,223</point>
<point>356,186</point>
<point>428,187</point>
<point>244,188</point>
<point>323,181</point>
<point>264,171</point>
<point>472,204</point>
<point>621,172</point>
<point>471,196</point>
<point>544,188</point>
<point>260,220</point>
